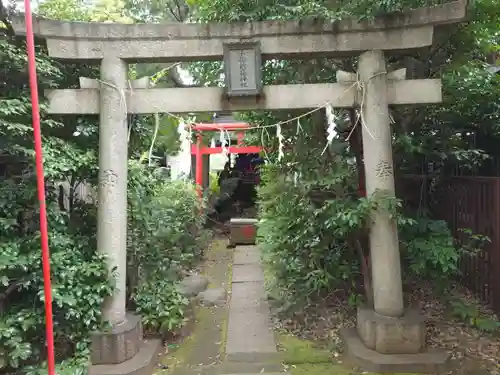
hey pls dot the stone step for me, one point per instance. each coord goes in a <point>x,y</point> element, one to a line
<point>250,335</point>
<point>246,255</point>
<point>249,368</point>
<point>143,363</point>
<point>232,368</point>
<point>248,272</point>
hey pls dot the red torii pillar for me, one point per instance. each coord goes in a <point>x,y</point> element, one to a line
<point>199,150</point>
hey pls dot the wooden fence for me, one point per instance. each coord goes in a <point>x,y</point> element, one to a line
<point>465,203</point>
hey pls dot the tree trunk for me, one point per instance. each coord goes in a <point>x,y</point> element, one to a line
<point>364,260</point>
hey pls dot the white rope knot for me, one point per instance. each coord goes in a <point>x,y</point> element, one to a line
<point>281,145</point>
<point>299,127</point>
<point>223,136</point>
<point>330,120</point>
<point>360,87</point>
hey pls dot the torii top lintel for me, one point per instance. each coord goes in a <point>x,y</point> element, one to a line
<point>278,39</point>
<point>239,127</point>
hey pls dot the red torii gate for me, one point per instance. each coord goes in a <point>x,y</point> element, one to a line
<point>199,150</point>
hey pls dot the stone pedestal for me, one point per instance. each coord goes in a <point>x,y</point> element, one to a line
<point>426,362</point>
<point>123,351</point>
<point>385,344</point>
<point>243,231</point>
<point>118,344</point>
<point>389,335</point>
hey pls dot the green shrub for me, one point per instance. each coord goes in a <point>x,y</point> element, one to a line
<point>165,236</point>
<point>305,245</point>
<point>428,250</point>
<point>161,305</point>
<point>214,183</point>
<point>313,236</point>
<point>72,366</point>
<point>79,282</point>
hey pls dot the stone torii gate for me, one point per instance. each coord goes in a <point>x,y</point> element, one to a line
<point>387,335</point>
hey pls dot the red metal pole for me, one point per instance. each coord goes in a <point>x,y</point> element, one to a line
<point>30,47</point>
<point>199,166</point>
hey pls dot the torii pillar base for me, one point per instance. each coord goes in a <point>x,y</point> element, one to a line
<point>123,351</point>
<point>427,362</point>
<point>383,344</point>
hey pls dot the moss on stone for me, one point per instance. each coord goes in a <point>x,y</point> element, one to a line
<point>304,357</point>
<point>320,369</point>
<point>298,351</point>
<point>179,356</point>
<point>203,329</point>
<point>225,322</point>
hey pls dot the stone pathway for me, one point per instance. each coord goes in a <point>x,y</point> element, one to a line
<point>250,337</point>
<point>233,337</point>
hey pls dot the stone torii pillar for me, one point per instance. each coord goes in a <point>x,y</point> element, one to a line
<point>379,176</point>
<point>113,167</point>
<point>390,335</point>
<point>112,193</point>
<point>123,342</point>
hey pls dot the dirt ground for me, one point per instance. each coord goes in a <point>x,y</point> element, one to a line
<point>200,344</point>
<point>472,351</point>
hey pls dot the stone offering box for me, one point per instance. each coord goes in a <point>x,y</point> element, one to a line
<point>243,231</point>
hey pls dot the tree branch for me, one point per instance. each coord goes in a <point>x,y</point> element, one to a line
<point>176,17</point>
<point>366,271</point>
<point>10,289</point>
<point>179,11</point>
